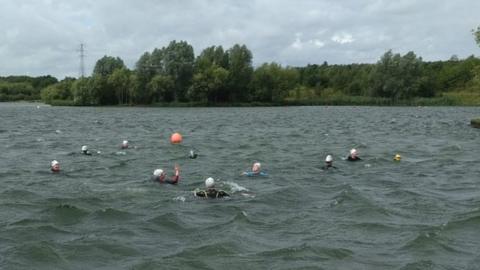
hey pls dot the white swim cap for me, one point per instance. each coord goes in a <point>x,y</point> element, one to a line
<point>329,158</point>
<point>55,163</point>
<point>257,164</point>
<point>125,142</point>
<point>84,148</point>
<point>157,172</point>
<point>353,151</point>
<point>209,183</point>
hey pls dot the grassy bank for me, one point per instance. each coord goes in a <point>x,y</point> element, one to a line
<point>447,99</point>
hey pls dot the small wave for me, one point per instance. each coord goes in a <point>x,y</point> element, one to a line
<point>111,214</point>
<point>234,187</point>
<point>218,248</point>
<point>358,204</point>
<point>428,241</point>
<point>66,214</point>
<point>469,219</point>
<point>419,265</point>
<point>16,193</point>
<point>136,190</point>
<point>306,251</point>
<point>40,254</point>
<point>170,221</point>
<point>179,198</point>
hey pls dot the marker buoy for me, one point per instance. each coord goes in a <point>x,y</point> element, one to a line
<point>176,138</point>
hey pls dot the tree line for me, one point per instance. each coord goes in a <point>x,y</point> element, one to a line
<point>14,88</point>
<point>173,74</point>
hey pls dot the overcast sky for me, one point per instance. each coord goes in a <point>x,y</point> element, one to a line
<point>40,37</point>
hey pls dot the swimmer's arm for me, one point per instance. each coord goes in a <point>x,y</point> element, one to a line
<point>176,177</point>
<point>223,194</point>
<point>200,193</point>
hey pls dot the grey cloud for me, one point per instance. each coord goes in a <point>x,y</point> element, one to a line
<point>42,37</point>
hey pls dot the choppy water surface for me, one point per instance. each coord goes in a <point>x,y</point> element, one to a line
<point>102,212</point>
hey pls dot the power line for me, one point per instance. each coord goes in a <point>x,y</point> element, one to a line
<point>82,60</point>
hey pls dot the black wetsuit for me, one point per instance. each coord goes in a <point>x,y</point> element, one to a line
<point>172,181</point>
<point>211,193</point>
<point>327,166</point>
<point>86,152</point>
<point>350,158</point>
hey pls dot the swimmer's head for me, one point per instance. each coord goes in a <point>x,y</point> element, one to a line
<point>55,166</point>
<point>397,157</point>
<point>353,152</point>
<point>256,167</point>
<point>209,182</point>
<point>84,148</point>
<point>158,172</point>
<point>125,144</point>
<point>329,159</point>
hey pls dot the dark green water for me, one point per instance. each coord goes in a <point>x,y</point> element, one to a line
<point>102,212</point>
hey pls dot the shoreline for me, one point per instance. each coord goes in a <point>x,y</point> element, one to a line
<point>379,102</point>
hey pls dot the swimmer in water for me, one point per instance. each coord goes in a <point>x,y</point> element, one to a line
<point>160,176</point>
<point>85,151</point>
<point>55,166</point>
<point>353,155</point>
<point>124,144</point>
<point>397,157</point>
<point>328,163</point>
<point>256,170</point>
<point>211,192</point>
<point>193,154</point>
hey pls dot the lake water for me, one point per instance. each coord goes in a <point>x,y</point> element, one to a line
<point>103,212</point>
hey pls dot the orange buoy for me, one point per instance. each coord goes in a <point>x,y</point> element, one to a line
<point>176,138</point>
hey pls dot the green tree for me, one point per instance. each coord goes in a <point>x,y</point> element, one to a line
<point>102,91</point>
<point>104,68</point>
<point>139,92</point>
<point>209,81</point>
<point>82,92</point>
<point>272,83</point>
<point>107,64</point>
<point>161,87</point>
<point>209,84</point>
<point>240,73</point>
<point>211,56</point>
<point>43,81</point>
<point>397,77</point>
<point>59,91</point>
<point>120,82</point>
<point>476,34</point>
<point>178,60</point>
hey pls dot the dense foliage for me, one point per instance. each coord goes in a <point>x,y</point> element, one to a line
<point>173,74</point>
<point>15,88</point>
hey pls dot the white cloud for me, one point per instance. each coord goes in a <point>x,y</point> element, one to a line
<point>297,44</point>
<point>343,38</point>
<point>317,43</point>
